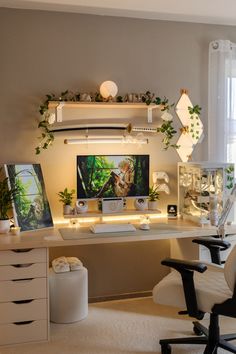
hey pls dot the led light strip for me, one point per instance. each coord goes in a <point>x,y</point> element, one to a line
<point>106,141</point>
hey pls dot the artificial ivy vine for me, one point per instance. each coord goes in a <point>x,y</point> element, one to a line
<point>194,112</point>
<point>47,137</point>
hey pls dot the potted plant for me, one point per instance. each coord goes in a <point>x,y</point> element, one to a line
<point>6,197</point>
<point>153,198</point>
<point>66,197</point>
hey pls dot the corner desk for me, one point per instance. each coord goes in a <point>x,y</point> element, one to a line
<point>24,265</point>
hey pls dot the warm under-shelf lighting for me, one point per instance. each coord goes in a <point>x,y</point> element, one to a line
<point>106,141</point>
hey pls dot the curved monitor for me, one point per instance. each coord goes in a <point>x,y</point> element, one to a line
<point>112,176</point>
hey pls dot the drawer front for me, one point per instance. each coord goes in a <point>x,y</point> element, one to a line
<point>23,311</point>
<point>23,332</point>
<point>11,290</point>
<point>23,271</point>
<point>34,255</point>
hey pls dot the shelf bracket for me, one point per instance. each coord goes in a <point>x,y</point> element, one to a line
<point>59,111</point>
<point>149,112</point>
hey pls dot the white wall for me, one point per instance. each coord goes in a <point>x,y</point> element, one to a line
<point>43,52</point>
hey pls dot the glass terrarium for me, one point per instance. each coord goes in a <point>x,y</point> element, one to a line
<point>203,188</point>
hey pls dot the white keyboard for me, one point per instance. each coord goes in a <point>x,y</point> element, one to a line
<point>101,228</point>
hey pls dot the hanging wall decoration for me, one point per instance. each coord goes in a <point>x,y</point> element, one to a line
<point>189,115</point>
<point>192,127</point>
<point>150,99</point>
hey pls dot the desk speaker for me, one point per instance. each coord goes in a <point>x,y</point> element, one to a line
<point>81,206</point>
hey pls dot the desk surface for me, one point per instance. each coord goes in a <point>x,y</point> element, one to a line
<point>162,230</point>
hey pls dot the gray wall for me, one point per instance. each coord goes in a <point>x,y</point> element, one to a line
<point>43,52</point>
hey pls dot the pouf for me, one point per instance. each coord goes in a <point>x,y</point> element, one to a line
<point>68,295</point>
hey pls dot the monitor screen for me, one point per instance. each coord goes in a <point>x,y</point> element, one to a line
<point>112,176</point>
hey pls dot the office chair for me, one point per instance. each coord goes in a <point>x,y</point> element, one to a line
<point>202,288</point>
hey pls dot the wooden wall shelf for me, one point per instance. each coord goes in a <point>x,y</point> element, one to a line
<point>60,106</point>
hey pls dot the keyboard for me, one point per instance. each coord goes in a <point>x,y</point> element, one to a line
<point>102,228</point>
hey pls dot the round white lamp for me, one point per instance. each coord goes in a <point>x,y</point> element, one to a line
<point>108,89</point>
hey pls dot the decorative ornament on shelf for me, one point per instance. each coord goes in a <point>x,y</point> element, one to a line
<point>192,130</point>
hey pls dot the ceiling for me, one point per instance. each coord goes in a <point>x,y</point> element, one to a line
<point>203,11</point>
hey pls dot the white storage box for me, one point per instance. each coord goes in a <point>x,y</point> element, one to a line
<point>68,295</point>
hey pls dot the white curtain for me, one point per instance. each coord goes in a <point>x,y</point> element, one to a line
<point>222,102</point>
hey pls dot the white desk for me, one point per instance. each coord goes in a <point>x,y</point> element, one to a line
<point>162,230</point>
<point>25,258</point>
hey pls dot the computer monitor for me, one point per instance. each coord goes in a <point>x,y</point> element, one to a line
<point>112,176</point>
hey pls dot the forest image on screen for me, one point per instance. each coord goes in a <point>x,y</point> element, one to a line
<point>110,176</point>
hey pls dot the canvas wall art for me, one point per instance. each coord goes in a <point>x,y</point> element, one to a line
<point>30,206</point>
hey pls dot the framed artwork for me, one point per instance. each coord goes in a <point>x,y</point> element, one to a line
<point>30,206</point>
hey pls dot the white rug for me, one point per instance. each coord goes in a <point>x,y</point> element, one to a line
<point>120,327</point>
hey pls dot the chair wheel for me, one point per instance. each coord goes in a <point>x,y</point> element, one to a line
<point>197,331</point>
<point>165,349</point>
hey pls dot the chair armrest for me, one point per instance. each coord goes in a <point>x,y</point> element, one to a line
<point>210,241</point>
<point>181,265</point>
<point>186,270</point>
<point>214,245</point>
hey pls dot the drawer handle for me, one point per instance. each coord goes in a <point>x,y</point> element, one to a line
<point>23,250</point>
<point>22,323</point>
<point>26,265</point>
<point>25,280</point>
<point>19,302</point>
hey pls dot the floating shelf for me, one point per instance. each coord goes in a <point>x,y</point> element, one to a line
<point>124,105</point>
<point>59,106</point>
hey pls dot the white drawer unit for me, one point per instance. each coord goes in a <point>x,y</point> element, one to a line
<point>13,290</point>
<point>23,271</point>
<point>21,256</point>
<point>24,315</point>
<point>23,310</point>
<point>22,332</point>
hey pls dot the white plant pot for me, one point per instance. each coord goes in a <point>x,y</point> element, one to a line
<point>152,205</point>
<point>4,226</point>
<point>67,209</point>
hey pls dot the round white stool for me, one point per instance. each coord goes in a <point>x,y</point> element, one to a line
<point>68,295</point>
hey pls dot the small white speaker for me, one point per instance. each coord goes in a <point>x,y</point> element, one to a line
<point>81,206</point>
<point>141,203</point>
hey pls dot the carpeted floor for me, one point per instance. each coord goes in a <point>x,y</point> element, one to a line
<point>131,326</point>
